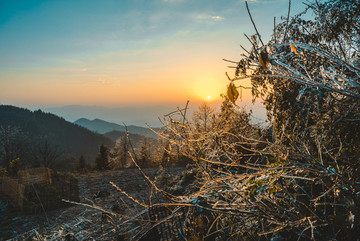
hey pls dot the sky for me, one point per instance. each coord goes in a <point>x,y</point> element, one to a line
<point>118,53</point>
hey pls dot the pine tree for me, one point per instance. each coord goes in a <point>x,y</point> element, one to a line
<point>144,155</point>
<point>102,160</point>
<point>119,154</point>
<point>82,163</point>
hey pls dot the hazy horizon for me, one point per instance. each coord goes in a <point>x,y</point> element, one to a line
<point>136,115</point>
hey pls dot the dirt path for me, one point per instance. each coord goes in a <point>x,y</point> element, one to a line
<point>81,222</point>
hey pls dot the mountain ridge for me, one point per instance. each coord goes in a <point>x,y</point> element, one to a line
<point>130,115</point>
<point>101,126</point>
<point>70,139</point>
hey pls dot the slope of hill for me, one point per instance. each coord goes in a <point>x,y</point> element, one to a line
<point>136,140</point>
<point>69,138</point>
<point>115,135</point>
<point>102,127</point>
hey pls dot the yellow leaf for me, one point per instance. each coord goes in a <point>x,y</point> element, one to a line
<point>232,93</point>
<point>293,49</point>
<point>264,58</point>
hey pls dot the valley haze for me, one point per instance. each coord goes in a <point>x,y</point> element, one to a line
<point>140,115</point>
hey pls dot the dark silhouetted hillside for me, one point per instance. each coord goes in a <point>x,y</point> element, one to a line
<point>70,139</point>
<point>102,127</point>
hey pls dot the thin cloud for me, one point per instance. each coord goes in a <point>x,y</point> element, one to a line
<point>209,18</point>
<point>203,16</point>
<point>217,17</point>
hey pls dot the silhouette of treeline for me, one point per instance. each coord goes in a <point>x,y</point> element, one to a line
<point>35,136</point>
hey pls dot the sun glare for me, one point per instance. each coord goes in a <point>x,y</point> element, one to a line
<point>207,88</point>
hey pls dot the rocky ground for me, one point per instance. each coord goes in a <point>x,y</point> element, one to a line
<point>105,213</point>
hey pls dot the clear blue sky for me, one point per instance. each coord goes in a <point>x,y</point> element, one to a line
<point>122,52</point>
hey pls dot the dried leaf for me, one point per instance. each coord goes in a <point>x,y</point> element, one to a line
<point>264,58</point>
<point>294,49</point>
<point>232,93</point>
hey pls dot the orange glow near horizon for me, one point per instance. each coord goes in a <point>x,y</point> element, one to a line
<point>188,81</point>
<point>124,53</point>
<point>157,78</point>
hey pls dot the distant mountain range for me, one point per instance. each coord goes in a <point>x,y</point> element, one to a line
<point>142,115</point>
<point>139,116</point>
<point>69,138</point>
<point>103,127</point>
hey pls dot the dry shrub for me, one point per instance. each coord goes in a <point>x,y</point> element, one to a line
<point>277,192</point>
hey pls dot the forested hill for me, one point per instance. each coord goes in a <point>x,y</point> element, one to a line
<point>103,127</point>
<point>66,137</point>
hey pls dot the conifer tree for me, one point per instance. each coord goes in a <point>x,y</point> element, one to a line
<point>144,155</point>
<point>82,163</point>
<point>102,160</point>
